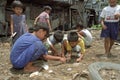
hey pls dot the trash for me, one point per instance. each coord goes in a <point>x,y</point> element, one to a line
<point>45,66</point>
<point>35,74</point>
<point>69,69</point>
<point>13,34</point>
<point>80,76</point>
<point>50,71</point>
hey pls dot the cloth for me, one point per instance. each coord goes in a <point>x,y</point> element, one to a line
<point>26,49</point>
<point>109,12</point>
<point>19,25</point>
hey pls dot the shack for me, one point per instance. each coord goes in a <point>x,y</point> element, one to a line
<point>59,17</point>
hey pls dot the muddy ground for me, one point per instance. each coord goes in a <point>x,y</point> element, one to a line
<point>57,70</point>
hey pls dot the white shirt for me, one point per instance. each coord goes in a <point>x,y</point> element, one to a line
<point>108,13</point>
<point>88,37</point>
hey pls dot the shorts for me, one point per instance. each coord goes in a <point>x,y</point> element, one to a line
<point>111,31</point>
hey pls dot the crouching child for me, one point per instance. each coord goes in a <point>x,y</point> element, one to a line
<point>73,43</point>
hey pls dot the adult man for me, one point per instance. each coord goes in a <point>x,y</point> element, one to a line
<point>29,47</point>
<point>110,17</point>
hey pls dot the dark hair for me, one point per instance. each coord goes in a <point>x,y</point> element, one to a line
<point>31,29</point>
<point>37,27</point>
<point>58,35</point>
<point>72,37</point>
<point>47,8</point>
<point>17,3</point>
<point>79,26</point>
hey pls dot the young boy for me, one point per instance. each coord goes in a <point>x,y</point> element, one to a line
<point>73,42</point>
<point>29,47</point>
<point>87,36</point>
<point>54,40</point>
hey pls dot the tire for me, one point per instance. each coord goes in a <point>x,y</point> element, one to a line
<point>95,67</point>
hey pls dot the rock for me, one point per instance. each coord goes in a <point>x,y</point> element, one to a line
<point>50,71</point>
<point>85,72</point>
<point>35,74</point>
<point>69,69</point>
<point>76,64</point>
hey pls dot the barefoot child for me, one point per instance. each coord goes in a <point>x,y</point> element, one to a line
<point>85,34</point>
<point>53,40</point>
<point>29,47</point>
<point>73,43</point>
<point>18,21</point>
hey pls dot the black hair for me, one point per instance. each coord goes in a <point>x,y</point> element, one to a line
<point>31,29</point>
<point>58,35</point>
<point>37,27</point>
<point>17,3</point>
<point>47,8</point>
<point>72,37</point>
<point>79,26</point>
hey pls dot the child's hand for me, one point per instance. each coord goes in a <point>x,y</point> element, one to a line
<point>104,27</point>
<point>63,59</point>
<point>69,58</point>
<point>117,16</point>
<point>78,59</point>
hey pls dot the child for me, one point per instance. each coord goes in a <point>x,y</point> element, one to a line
<point>44,17</point>
<point>18,21</point>
<point>29,47</point>
<point>54,39</point>
<point>110,17</point>
<point>73,42</point>
<point>85,34</point>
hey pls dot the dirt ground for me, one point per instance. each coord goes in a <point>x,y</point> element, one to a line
<point>57,70</point>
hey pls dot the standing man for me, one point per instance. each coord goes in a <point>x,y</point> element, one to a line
<point>110,24</point>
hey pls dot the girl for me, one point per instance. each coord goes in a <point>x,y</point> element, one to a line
<point>43,18</point>
<point>18,21</point>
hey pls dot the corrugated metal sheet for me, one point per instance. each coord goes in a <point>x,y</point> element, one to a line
<point>65,1</point>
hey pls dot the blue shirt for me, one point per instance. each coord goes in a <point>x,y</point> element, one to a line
<point>27,48</point>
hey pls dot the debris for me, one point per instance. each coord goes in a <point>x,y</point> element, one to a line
<point>69,69</point>
<point>35,74</point>
<point>50,71</point>
<point>45,66</point>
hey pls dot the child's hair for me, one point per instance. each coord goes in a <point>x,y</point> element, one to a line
<point>72,37</point>
<point>17,3</point>
<point>47,8</point>
<point>58,35</point>
<point>37,27</point>
<point>79,26</point>
<point>31,29</point>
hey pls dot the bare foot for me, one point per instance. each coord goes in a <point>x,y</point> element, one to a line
<point>31,69</point>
